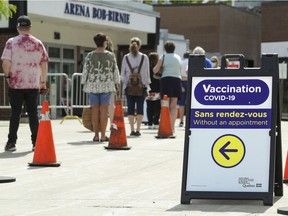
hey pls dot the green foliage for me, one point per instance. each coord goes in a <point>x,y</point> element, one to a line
<point>187,2</point>
<point>6,9</point>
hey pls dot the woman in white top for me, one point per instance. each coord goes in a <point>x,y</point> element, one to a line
<point>170,83</point>
<point>134,57</point>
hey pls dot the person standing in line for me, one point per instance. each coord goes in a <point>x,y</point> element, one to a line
<point>24,62</point>
<point>134,57</point>
<point>153,99</point>
<point>100,77</point>
<point>184,81</point>
<point>111,107</point>
<point>200,51</point>
<point>170,83</point>
<point>215,62</point>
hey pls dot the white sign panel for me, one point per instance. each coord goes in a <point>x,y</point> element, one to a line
<point>229,145</point>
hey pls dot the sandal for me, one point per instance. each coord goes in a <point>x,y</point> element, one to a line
<point>95,139</point>
<point>105,140</point>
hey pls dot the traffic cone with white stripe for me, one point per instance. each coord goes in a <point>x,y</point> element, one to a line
<point>44,154</point>
<point>118,139</point>
<point>165,127</point>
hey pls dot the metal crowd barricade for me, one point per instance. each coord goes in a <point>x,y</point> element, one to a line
<point>79,99</point>
<point>64,95</point>
<point>74,93</point>
<point>58,97</point>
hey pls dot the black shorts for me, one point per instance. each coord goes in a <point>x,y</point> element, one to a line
<point>170,86</point>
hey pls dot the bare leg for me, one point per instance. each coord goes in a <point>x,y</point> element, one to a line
<point>173,111</point>
<point>103,119</point>
<point>131,122</point>
<point>95,120</point>
<point>111,107</point>
<point>181,113</point>
<point>139,122</point>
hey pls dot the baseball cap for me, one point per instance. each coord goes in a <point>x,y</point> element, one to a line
<point>23,21</point>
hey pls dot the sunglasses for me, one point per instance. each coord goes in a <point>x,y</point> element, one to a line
<point>136,41</point>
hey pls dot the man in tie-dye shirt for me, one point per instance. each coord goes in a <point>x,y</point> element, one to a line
<point>24,62</point>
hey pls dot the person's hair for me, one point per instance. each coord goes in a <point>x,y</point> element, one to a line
<point>214,59</point>
<point>99,39</point>
<point>109,47</point>
<point>153,59</point>
<point>199,50</point>
<point>135,44</point>
<point>186,54</point>
<point>136,40</point>
<point>169,47</point>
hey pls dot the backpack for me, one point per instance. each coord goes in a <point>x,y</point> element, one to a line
<point>135,86</point>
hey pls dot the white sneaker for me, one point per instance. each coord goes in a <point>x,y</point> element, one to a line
<point>155,127</point>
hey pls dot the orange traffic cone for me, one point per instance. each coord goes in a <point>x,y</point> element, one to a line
<point>165,127</point>
<point>118,140</point>
<point>44,154</point>
<point>285,179</point>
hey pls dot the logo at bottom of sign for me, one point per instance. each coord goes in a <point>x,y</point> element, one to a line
<point>228,151</point>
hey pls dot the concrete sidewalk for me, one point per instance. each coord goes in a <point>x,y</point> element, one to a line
<point>143,181</point>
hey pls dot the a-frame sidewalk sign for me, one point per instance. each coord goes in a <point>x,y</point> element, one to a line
<point>233,132</point>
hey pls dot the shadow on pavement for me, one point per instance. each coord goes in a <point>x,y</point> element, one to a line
<point>14,154</point>
<point>245,206</point>
<point>79,143</point>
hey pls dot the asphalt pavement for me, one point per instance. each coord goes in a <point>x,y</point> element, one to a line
<point>143,181</point>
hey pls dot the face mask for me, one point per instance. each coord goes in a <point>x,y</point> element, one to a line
<point>214,64</point>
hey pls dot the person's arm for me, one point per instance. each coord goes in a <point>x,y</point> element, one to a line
<point>43,78</point>
<point>6,65</point>
<point>147,69</point>
<point>157,66</point>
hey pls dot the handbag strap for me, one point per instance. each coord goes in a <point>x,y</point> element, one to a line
<point>129,65</point>
<point>163,61</point>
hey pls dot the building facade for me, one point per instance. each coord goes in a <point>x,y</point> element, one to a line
<point>67,29</point>
<point>275,40</point>
<point>218,28</point>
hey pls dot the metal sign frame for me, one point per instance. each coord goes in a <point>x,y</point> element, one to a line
<point>269,70</point>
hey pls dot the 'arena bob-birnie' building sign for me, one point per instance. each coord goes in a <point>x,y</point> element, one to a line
<point>96,13</point>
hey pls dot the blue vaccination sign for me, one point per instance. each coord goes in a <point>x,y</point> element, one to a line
<point>231,117</point>
<point>232,128</point>
<point>243,102</point>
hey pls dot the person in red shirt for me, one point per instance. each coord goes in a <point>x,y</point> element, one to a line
<point>24,62</point>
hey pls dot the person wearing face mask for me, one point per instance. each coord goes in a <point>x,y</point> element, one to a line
<point>100,77</point>
<point>134,58</point>
<point>215,62</point>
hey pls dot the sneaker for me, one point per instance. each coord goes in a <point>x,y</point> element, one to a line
<point>181,124</point>
<point>155,127</point>
<point>133,133</point>
<point>137,133</point>
<point>150,126</point>
<point>10,147</point>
